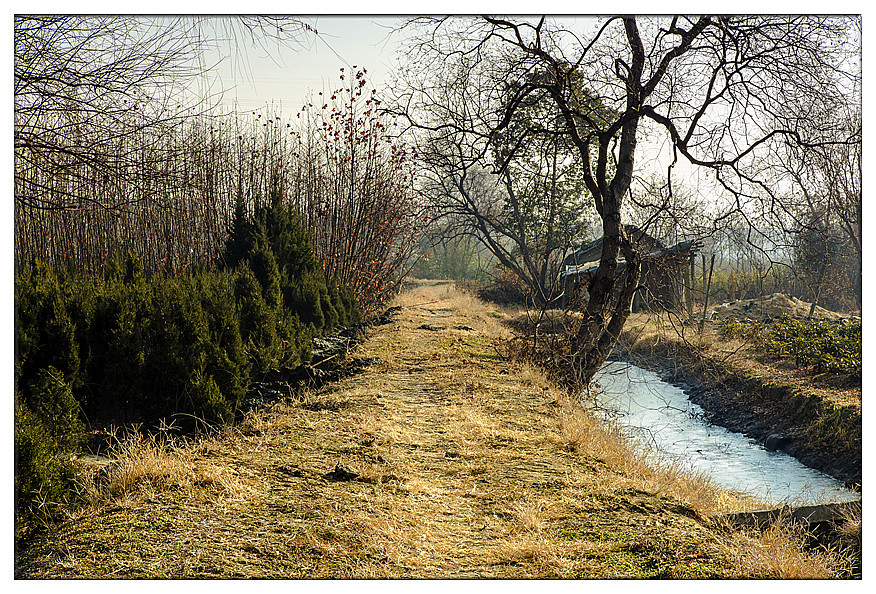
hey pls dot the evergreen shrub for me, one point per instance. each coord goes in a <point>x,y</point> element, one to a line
<point>43,480</point>
<point>138,346</point>
<point>826,346</point>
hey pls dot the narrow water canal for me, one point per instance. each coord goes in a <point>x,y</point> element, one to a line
<point>661,418</point>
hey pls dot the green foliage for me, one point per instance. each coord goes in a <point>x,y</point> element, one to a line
<point>263,263</point>
<point>225,353</point>
<point>44,330</point>
<point>129,344</point>
<point>278,249</point>
<point>213,404</point>
<point>237,245</point>
<point>50,398</point>
<point>138,346</point>
<point>43,480</point>
<point>827,346</point>
<point>271,336</point>
<point>161,340</point>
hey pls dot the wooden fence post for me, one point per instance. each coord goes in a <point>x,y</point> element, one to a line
<point>707,286</point>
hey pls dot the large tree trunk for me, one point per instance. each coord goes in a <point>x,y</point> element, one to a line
<point>611,294</point>
<point>605,314</point>
<point>607,309</point>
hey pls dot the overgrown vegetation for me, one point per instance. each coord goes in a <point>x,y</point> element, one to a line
<point>826,346</point>
<point>233,241</point>
<point>339,165</point>
<point>164,256</point>
<point>134,346</point>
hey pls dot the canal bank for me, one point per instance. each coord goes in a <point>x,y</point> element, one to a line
<point>669,428</point>
<point>761,403</point>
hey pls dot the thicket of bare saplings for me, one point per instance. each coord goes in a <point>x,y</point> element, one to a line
<point>172,201</point>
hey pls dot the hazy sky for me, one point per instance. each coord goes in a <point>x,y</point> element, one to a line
<point>253,77</point>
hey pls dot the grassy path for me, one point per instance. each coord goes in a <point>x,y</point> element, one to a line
<point>468,465</point>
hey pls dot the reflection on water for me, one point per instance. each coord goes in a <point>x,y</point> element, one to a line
<point>666,424</point>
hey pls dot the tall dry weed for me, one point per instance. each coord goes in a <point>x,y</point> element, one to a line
<point>781,552</point>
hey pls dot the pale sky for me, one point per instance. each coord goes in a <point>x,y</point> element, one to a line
<point>254,78</point>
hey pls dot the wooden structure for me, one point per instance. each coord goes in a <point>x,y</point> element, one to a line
<point>664,270</point>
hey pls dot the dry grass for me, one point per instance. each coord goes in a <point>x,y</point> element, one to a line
<point>781,552</point>
<point>470,464</point>
<point>142,465</point>
<point>850,527</point>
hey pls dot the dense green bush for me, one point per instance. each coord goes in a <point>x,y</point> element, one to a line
<point>43,480</point>
<point>44,329</point>
<point>272,336</point>
<point>278,249</point>
<point>47,416</point>
<point>163,335</point>
<point>827,346</point>
<point>137,346</point>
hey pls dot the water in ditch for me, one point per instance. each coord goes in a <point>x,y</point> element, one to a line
<point>665,423</point>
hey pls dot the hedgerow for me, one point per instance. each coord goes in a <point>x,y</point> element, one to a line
<point>138,346</point>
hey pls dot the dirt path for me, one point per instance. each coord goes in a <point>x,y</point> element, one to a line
<point>466,464</point>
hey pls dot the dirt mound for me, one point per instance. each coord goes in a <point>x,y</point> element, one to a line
<point>773,306</point>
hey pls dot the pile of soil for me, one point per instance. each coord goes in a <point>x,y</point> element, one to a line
<point>772,307</point>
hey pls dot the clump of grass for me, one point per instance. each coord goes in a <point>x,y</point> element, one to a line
<point>533,547</point>
<point>144,464</point>
<point>850,526</point>
<point>781,552</point>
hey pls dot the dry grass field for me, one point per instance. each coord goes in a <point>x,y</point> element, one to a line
<point>446,459</point>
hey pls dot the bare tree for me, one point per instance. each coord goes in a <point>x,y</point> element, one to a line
<point>521,194</point>
<point>713,87</point>
<point>825,187</point>
<point>354,187</point>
